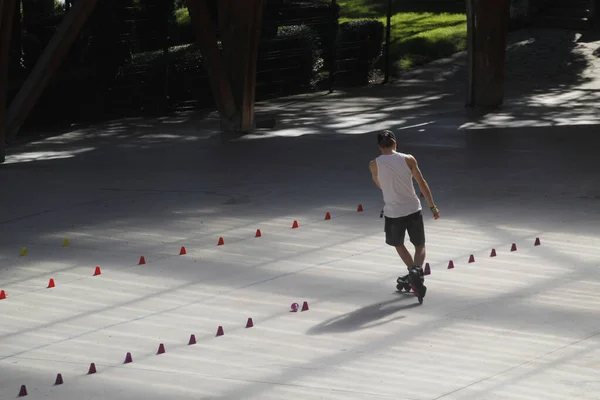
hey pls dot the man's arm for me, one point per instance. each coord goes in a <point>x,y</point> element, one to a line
<point>418,176</point>
<point>373,168</point>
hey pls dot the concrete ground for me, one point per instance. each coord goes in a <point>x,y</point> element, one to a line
<point>521,325</point>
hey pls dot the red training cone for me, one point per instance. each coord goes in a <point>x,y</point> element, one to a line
<point>513,247</point>
<point>220,331</point>
<point>59,380</point>
<point>97,271</point>
<point>427,270</point>
<point>51,283</point>
<point>128,358</point>
<point>471,259</point>
<point>221,242</point>
<point>161,349</point>
<point>451,264</point>
<point>92,369</point>
<point>23,391</point>
<point>327,216</point>
<point>360,208</point>
<point>537,242</point>
<point>493,253</point>
<point>250,323</point>
<point>142,260</point>
<point>305,306</point>
<point>182,251</point>
<point>192,340</point>
<point>258,233</point>
<point>295,224</point>
<point>2,294</point>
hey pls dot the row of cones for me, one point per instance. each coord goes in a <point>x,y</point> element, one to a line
<point>427,269</point>
<point>129,357</point>
<point>52,282</point>
<point>142,261</point>
<point>58,381</point>
<point>221,241</point>
<point>295,225</point>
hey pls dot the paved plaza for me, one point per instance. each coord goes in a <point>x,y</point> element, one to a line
<point>522,325</point>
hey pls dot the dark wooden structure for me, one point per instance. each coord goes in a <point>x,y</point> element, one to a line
<point>232,69</point>
<point>487,22</point>
<point>7,8</point>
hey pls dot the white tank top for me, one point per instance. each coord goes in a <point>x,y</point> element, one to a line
<point>396,180</point>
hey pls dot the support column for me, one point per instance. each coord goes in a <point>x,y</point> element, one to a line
<point>7,9</point>
<point>232,69</point>
<point>206,36</point>
<point>487,22</point>
<point>241,28</point>
<point>48,63</point>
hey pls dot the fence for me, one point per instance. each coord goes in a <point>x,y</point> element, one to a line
<point>140,56</point>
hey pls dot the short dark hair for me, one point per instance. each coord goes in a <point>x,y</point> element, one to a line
<point>386,139</point>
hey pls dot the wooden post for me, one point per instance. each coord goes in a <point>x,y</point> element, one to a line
<point>232,70</point>
<point>470,48</point>
<point>213,61</point>
<point>333,28</point>
<point>252,29</point>
<point>488,23</point>
<point>48,63</point>
<point>7,8</point>
<point>388,41</point>
<point>240,27</point>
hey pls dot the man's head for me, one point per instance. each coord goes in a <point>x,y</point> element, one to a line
<point>386,140</point>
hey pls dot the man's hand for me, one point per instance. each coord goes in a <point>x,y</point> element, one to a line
<point>423,186</point>
<point>436,212</point>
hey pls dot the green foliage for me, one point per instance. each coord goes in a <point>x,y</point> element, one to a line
<point>359,46</point>
<point>416,37</point>
<point>369,30</point>
<point>59,8</point>
<point>377,8</point>
<point>182,17</point>
<point>301,36</point>
<point>182,31</point>
<point>289,61</point>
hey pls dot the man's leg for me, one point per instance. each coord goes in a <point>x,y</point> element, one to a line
<point>419,255</point>
<point>416,233</point>
<point>395,229</point>
<point>405,256</point>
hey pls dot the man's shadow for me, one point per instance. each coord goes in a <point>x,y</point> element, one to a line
<point>366,317</point>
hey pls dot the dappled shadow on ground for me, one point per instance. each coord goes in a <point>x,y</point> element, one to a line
<point>540,59</point>
<point>558,107</point>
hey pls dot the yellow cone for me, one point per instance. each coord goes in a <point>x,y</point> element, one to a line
<point>23,251</point>
<point>66,243</point>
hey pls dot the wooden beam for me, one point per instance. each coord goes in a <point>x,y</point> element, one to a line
<point>252,33</point>
<point>487,40</point>
<point>240,28</point>
<point>48,63</point>
<point>207,40</point>
<point>7,9</point>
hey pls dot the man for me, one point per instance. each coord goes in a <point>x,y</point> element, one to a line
<point>393,173</point>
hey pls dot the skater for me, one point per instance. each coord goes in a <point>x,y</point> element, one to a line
<point>393,172</point>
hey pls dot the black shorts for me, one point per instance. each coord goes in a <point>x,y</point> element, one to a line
<point>395,229</point>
